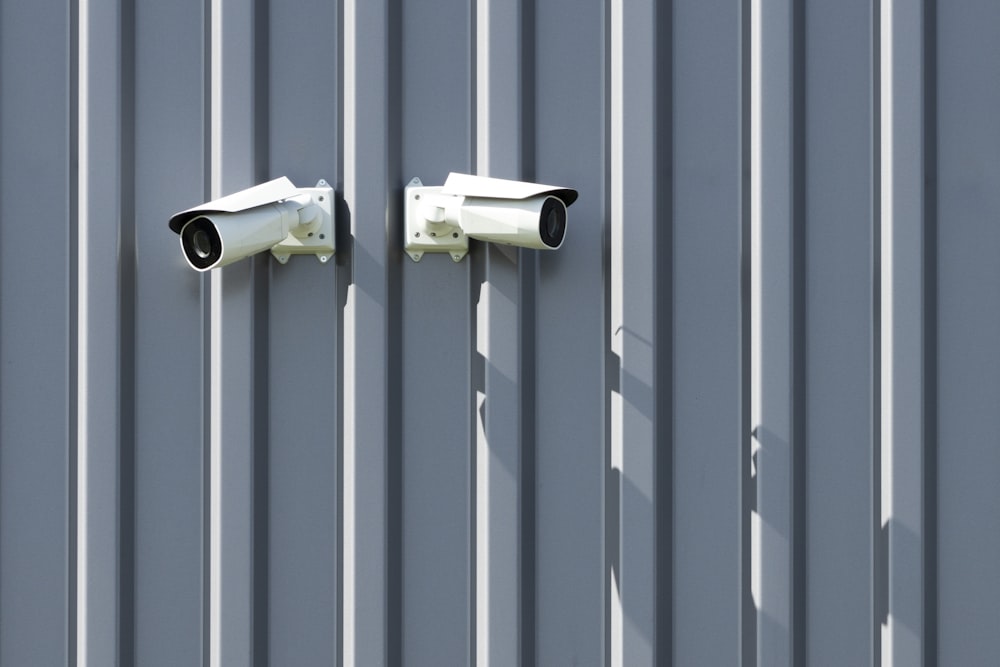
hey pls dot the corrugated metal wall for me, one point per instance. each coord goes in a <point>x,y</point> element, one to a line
<point>748,414</point>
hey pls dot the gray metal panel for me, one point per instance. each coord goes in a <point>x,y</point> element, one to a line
<point>838,250</point>
<point>37,509</point>
<point>303,350</point>
<point>169,105</point>
<point>706,357</point>
<point>526,457</point>
<point>968,328</point>
<point>636,223</point>
<point>437,304</point>
<point>570,592</point>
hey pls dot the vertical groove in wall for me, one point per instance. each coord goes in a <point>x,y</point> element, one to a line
<point>127,279</point>
<point>261,454</point>
<point>260,494</point>
<point>799,498</point>
<point>206,463</point>
<point>342,262</point>
<point>208,105</point>
<point>394,340</point>
<point>527,318</point>
<point>475,360</point>
<point>878,572</point>
<point>528,271</point>
<point>527,91</point>
<point>663,326</point>
<point>930,326</point>
<point>748,494</point>
<point>260,477</point>
<point>610,375</point>
<point>477,276</point>
<point>73,341</point>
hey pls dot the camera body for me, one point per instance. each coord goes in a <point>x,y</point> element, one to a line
<point>442,219</point>
<point>275,216</point>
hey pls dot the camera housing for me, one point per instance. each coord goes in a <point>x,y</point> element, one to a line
<point>275,216</point>
<point>443,219</point>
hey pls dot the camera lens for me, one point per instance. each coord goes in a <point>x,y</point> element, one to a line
<point>201,243</point>
<point>553,222</point>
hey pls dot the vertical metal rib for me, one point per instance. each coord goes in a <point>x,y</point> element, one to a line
<point>502,329</point>
<point>237,332</point>
<point>104,366</point>
<point>906,318</point>
<point>748,493</point>
<point>367,396</point>
<point>776,326</point>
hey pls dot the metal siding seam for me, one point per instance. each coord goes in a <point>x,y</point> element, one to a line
<point>904,316</point>
<point>73,470</point>
<point>747,656</point>
<point>663,346</point>
<point>527,358</point>
<point>260,360</point>
<point>634,300</point>
<point>930,179</point>
<point>879,556</point>
<point>236,378</point>
<point>799,456</point>
<point>105,370</point>
<point>610,373</point>
<point>776,317</point>
<point>127,278</point>
<point>502,329</point>
<point>367,413</point>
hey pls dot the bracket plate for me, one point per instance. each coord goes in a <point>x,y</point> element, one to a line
<point>320,242</point>
<point>422,235</point>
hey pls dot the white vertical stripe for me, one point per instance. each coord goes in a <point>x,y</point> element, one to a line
<point>82,379</point>
<point>215,157</point>
<point>350,461</point>
<point>482,87</point>
<point>755,276</point>
<point>886,258</point>
<point>215,351</point>
<point>482,535</point>
<point>886,310</point>
<point>617,313</point>
<point>350,508</point>
<point>215,470</point>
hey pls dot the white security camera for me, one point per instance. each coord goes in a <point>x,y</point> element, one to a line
<point>441,219</point>
<point>275,216</point>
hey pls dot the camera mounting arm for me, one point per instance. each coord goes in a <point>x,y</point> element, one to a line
<point>432,222</point>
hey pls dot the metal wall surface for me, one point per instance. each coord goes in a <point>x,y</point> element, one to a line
<point>746,415</point>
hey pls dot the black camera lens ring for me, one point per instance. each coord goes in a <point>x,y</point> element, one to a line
<point>552,222</point>
<point>201,243</point>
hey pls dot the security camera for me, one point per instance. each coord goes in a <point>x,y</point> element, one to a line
<point>442,219</point>
<point>275,216</point>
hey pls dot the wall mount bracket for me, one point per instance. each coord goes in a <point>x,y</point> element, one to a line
<point>319,240</point>
<point>427,228</point>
